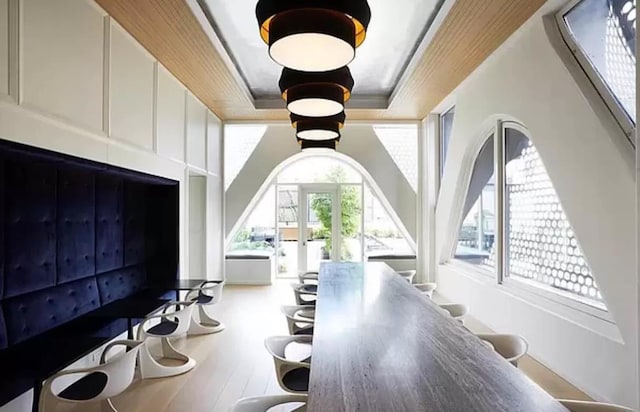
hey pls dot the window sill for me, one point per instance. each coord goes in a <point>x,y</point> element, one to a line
<point>587,316</point>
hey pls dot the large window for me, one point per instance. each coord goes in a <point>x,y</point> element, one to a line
<point>540,248</point>
<point>381,234</point>
<point>258,234</point>
<point>446,125</point>
<point>602,35</point>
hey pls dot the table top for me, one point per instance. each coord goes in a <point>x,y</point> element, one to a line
<point>379,345</point>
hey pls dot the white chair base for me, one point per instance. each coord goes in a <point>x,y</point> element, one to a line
<point>205,325</point>
<point>150,367</point>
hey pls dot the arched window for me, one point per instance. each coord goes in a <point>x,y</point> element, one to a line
<point>319,208</point>
<point>515,228</point>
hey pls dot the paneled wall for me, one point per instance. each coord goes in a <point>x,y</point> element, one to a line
<point>83,86</point>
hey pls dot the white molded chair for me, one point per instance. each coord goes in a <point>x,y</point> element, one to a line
<point>457,310</point>
<point>308,277</point>
<point>292,376</point>
<point>407,275</point>
<point>207,294</point>
<point>172,324</point>
<point>426,289</point>
<point>510,347</point>
<point>266,402</point>
<point>300,319</point>
<point>305,294</point>
<point>99,383</point>
<point>583,406</point>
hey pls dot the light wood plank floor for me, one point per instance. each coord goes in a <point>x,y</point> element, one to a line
<point>234,363</point>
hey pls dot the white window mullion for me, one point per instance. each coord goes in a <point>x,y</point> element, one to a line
<point>499,242</point>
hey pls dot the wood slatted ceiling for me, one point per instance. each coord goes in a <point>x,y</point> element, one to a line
<point>472,30</point>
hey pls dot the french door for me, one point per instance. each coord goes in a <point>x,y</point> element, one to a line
<point>319,237</point>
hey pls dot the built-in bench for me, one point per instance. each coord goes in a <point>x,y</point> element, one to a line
<point>84,250</point>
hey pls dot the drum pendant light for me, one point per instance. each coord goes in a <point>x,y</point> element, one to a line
<point>313,35</point>
<point>318,146</point>
<point>316,94</point>
<point>318,128</point>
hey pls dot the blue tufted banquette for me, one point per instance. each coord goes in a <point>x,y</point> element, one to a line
<point>76,235</point>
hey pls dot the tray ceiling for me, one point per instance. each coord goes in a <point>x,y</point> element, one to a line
<point>179,35</point>
<point>396,29</point>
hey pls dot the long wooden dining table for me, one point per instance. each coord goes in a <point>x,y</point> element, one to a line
<point>379,345</point>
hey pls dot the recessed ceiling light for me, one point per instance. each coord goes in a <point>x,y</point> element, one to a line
<point>316,94</point>
<point>313,35</point>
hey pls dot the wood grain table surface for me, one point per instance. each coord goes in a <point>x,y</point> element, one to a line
<point>381,346</point>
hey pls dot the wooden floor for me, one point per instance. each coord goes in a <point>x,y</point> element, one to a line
<point>234,363</point>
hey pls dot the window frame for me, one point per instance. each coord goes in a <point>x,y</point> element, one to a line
<point>499,275</point>
<point>441,147</point>
<point>611,101</point>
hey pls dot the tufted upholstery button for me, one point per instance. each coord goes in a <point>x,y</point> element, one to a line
<point>86,257</point>
<point>93,302</point>
<point>49,300</point>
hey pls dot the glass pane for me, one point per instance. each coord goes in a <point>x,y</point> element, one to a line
<point>320,169</point>
<point>319,225</point>
<point>381,234</point>
<point>541,246</point>
<point>477,234</point>
<point>288,229</point>
<point>605,31</point>
<point>401,143</point>
<point>258,233</point>
<point>351,209</point>
<point>239,143</point>
<point>446,124</point>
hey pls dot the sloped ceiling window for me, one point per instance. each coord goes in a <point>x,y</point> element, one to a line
<point>401,143</point>
<point>239,143</point>
<point>604,32</point>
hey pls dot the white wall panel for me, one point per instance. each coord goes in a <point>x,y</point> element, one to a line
<point>131,85</point>
<point>215,251</point>
<point>214,144</point>
<point>196,133</point>
<point>170,116</point>
<point>4,47</point>
<point>197,226</point>
<point>62,54</point>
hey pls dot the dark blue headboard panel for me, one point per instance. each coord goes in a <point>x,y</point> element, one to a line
<point>75,235</point>
<point>30,226</point>
<point>109,223</point>
<point>76,225</point>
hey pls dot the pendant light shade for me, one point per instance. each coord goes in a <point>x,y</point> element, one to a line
<point>318,128</point>
<point>313,35</point>
<point>316,94</point>
<point>318,146</point>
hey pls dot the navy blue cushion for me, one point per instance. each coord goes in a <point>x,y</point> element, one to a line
<point>3,331</point>
<point>134,206</point>
<point>109,224</point>
<point>76,225</point>
<point>121,283</point>
<point>86,388</point>
<point>31,314</point>
<point>30,227</point>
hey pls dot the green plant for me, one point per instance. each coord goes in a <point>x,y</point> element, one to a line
<point>350,203</point>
